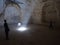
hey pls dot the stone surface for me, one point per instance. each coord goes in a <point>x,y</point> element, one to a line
<point>35,35</point>
<point>45,11</point>
<point>38,12</point>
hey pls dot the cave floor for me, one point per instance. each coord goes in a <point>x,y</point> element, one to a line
<point>34,35</point>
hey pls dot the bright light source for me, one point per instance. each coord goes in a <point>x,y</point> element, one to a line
<point>22,29</point>
<point>19,24</point>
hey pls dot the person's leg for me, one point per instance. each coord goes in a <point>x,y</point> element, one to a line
<point>6,35</point>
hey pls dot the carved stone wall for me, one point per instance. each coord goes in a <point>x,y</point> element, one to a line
<point>36,14</point>
<point>45,11</point>
<point>49,12</point>
<point>12,14</point>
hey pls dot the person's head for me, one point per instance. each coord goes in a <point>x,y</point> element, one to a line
<point>4,20</point>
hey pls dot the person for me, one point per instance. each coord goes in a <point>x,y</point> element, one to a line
<point>6,29</point>
<point>51,25</point>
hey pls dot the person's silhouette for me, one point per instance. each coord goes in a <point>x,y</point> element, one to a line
<point>51,25</point>
<point>6,29</point>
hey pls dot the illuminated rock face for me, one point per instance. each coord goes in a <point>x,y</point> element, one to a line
<point>38,11</point>
<point>12,14</point>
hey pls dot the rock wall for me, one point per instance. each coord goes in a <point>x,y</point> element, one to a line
<point>40,11</point>
<point>12,14</point>
<point>45,11</point>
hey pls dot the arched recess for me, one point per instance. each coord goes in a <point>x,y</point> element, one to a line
<point>49,12</point>
<point>12,13</point>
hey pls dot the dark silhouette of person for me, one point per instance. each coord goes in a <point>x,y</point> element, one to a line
<point>6,29</point>
<point>51,25</point>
